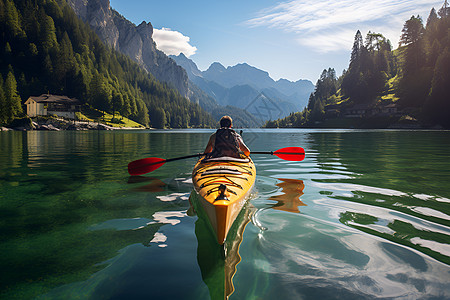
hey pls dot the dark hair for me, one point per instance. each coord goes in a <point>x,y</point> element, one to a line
<point>226,121</point>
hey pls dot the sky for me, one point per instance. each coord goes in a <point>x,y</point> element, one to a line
<point>295,39</point>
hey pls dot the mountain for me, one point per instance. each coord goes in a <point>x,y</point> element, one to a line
<point>46,47</point>
<point>238,75</point>
<point>241,84</point>
<point>134,41</point>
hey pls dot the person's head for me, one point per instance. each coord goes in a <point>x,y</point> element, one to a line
<point>226,122</point>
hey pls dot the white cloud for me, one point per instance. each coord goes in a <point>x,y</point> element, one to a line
<point>173,42</point>
<point>331,25</point>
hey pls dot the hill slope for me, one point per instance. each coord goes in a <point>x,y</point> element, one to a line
<point>45,47</point>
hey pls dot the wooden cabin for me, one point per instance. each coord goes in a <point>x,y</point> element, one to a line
<point>47,104</point>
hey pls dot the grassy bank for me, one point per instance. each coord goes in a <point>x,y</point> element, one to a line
<point>88,114</point>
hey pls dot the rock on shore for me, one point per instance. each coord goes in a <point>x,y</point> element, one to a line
<point>53,125</point>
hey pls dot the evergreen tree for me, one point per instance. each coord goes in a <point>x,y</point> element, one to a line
<point>436,108</point>
<point>48,38</point>
<point>116,102</point>
<point>100,93</point>
<point>411,37</point>
<point>142,113</point>
<point>416,80</point>
<point>412,31</point>
<point>158,118</point>
<point>432,18</point>
<point>13,103</point>
<point>12,19</point>
<point>3,109</point>
<point>358,45</point>
<point>444,12</point>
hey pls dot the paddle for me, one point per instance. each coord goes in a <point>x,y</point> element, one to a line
<point>147,165</point>
<point>288,153</point>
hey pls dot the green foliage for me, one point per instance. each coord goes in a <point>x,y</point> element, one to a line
<point>436,108</point>
<point>370,65</point>
<point>51,50</point>
<point>415,77</point>
<point>424,84</point>
<point>3,111</point>
<point>12,103</point>
<point>159,118</point>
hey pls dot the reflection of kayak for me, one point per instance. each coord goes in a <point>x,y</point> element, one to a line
<point>223,185</point>
<point>218,267</point>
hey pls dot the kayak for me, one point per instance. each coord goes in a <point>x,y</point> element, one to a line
<point>223,185</point>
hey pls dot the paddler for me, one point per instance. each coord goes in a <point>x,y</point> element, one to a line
<point>226,142</point>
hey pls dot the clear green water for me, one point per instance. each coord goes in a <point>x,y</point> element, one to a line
<point>366,215</point>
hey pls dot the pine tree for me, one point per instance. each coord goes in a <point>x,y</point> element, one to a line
<point>436,108</point>
<point>47,32</point>
<point>358,45</point>
<point>412,37</point>
<point>142,113</point>
<point>158,118</point>
<point>65,61</point>
<point>444,12</point>
<point>12,19</point>
<point>100,93</point>
<point>432,18</point>
<point>3,111</point>
<point>13,103</point>
<point>412,31</point>
<point>415,83</point>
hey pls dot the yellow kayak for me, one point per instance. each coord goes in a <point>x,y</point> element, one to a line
<point>223,185</point>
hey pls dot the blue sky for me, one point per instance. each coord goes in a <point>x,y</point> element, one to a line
<point>293,39</point>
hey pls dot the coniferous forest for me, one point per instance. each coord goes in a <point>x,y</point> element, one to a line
<point>384,87</point>
<point>45,48</point>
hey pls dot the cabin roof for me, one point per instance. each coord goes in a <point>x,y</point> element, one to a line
<point>48,98</point>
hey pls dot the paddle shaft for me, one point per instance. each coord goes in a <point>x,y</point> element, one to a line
<point>201,154</point>
<point>273,152</point>
<point>146,165</point>
<point>177,158</point>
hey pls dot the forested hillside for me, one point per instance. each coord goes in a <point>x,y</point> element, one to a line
<point>384,87</point>
<point>44,47</point>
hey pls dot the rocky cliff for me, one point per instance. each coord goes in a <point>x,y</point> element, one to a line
<point>133,41</point>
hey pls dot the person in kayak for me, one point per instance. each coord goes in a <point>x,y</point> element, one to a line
<point>226,142</point>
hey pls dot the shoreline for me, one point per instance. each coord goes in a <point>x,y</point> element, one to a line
<point>62,125</point>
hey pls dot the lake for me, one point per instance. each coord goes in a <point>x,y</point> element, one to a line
<point>366,215</point>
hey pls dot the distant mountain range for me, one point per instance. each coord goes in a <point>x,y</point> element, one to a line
<point>249,88</point>
<point>245,91</point>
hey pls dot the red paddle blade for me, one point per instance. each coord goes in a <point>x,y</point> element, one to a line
<point>145,165</point>
<point>291,153</point>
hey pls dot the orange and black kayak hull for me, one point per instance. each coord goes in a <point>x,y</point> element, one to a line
<point>223,186</point>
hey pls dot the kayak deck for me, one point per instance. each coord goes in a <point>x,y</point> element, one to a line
<point>223,185</point>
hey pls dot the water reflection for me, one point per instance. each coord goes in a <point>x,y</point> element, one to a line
<point>377,224</point>
<point>218,263</point>
<point>153,184</point>
<point>289,200</point>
